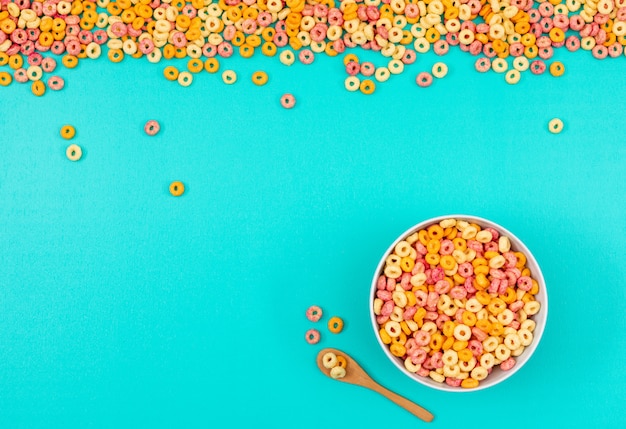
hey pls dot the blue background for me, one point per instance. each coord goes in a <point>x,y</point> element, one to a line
<point>122,306</point>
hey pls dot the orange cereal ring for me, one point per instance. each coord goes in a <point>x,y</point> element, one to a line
<point>268,49</point>
<point>335,325</point>
<point>5,78</point>
<point>70,61</point>
<point>4,58</point>
<point>435,232</point>
<point>246,51</point>
<point>350,57</point>
<point>38,88</point>
<point>259,78</point>
<point>169,51</point>
<point>170,73</point>
<point>177,188</point>
<point>212,65</point>
<point>341,361</point>
<point>469,383</point>
<point>447,262</point>
<point>557,69</point>
<point>367,86</point>
<point>195,65</point>
<point>484,325</point>
<point>115,55</point>
<point>68,132</point>
<point>16,61</point>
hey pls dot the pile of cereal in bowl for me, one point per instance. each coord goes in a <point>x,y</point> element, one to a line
<point>458,303</point>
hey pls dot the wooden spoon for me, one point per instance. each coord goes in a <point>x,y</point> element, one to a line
<point>356,375</point>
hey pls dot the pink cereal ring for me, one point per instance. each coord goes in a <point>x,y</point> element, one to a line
<point>56,83</point>
<point>409,312</point>
<point>381,283</point>
<point>353,68</point>
<point>482,64</point>
<point>466,269</point>
<point>507,364</point>
<point>442,286</point>
<point>48,64</point>
<point>441,47</point>
<point>446,247</point>
<point>453,382</point>
<point>478,334</point>
<point>418,356</point>
<point>420,297</point>
<point>151,127</point>
<point>381,320</point>
<point>385,295</point>
<point>306,56</point>
<point>423,372</point>
<point>458,292</point>
<point>436,360</point>
<point>422,338</point>
<point>387,308</point>
<point>287,101</point>
<point>424,79</point>
<point>20,75</point>
<point>312,336</point>
<point>537,67</point>
<point>525,283</point>
<point>314,313</point>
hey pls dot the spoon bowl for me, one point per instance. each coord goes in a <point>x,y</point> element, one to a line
<point>357,375</point>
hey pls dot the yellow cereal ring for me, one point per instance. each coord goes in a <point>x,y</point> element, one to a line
<point>447,262</point>
<point>435,232</point>
<point>397,349</point>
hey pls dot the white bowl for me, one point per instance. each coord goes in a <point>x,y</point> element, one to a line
<point>497,375</point>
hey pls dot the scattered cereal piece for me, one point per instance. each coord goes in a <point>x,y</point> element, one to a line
<point>152,127</point>
<point>440,70</point>
<point>73,152</point>
<point>424,79</point>
<point>229,77</point>
<point>288,101</point>
<point>557,69</point>
<point>335,325</point>
<point>184,78</point>
<point>68,132</point>
<point>259,78</point>
<point>312,336</point>
<point>314,313</point>
<point>177,188</point>
<point>555,125</point>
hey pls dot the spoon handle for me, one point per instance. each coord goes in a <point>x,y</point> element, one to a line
<point>411,407</point>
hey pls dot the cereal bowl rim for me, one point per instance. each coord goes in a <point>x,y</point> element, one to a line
<point>537,274</point>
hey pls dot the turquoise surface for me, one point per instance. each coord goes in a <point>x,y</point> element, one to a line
<point>122,306</point>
